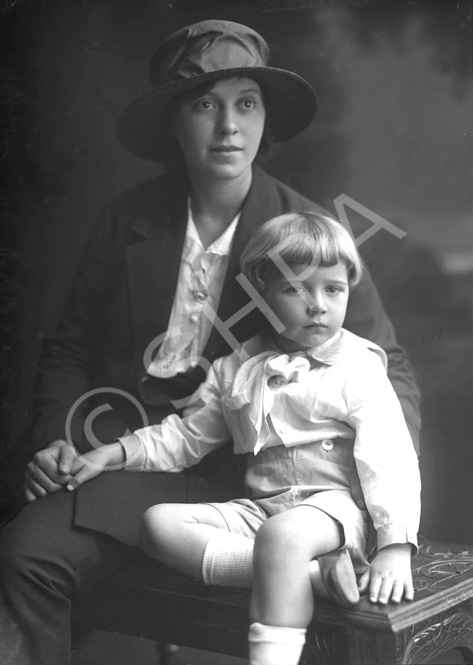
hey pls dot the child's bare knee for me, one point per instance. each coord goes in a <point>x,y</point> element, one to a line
<point>277,538</point>
<point>269,536</point>
<point>153,527</point>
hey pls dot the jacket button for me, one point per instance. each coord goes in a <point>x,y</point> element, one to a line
<point>327,444</point>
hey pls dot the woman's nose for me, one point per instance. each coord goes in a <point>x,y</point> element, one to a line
<point>227,124</point>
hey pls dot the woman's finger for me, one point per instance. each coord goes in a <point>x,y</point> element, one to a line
<point>67,454</point>
<point>35,488</point>
<point>36,474</point>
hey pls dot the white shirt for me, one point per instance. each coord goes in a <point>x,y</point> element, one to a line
<point>342,391</point>
<point>201,276</point>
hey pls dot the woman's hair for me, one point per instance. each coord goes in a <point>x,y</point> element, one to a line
<point>299,238</point>
<point>171,155</point>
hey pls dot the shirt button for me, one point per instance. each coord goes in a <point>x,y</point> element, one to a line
<point>327,444</point>
<point>283,429</point>
<point>199,295</point>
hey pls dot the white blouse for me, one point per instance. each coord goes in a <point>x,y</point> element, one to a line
<point>201,276</point>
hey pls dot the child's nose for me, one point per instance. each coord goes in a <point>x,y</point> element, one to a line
<point>316,304</point>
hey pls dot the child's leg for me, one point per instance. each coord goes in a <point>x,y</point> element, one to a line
<point>284,546</point>
<point>194,538</point>
<point>282,600</point>
<point>176,534</point>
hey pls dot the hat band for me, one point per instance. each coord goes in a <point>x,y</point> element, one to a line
<point>220,54</point>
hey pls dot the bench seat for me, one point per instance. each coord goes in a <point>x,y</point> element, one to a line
<point>149,600</point>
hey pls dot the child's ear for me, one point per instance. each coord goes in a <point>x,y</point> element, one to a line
<point>261,285</point>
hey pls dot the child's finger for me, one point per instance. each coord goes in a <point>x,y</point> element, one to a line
<point>364,581</point>
<point>409,590</point>
<point>397,592</point>
<point>375,586</point>
<point>86,473</point>
<point>385,591</point>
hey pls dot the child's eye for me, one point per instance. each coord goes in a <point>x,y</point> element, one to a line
<point>294,289</point>
<point>333,290</point>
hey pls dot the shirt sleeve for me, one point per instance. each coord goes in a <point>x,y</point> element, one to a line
<point>384,454</point>
<point>178,443</point>
<point>367,318</point>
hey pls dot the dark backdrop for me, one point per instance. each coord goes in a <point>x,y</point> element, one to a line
<point>393,133</point>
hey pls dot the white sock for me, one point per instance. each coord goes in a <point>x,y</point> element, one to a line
<point>272,645</point>
<point>228,560</point>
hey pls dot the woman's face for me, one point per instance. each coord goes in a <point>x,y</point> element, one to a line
<point>220,131</point>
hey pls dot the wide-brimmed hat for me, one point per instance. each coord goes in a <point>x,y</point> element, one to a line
<point>209,51</point>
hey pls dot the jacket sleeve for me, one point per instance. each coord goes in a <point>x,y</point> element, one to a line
<point>367,318</point>
<point>178,443</point>
<point>69,356</point>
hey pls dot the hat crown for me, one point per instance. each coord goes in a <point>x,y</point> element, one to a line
<point>204,47</point>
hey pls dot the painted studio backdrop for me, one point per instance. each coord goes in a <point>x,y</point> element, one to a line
<point>392,140</point>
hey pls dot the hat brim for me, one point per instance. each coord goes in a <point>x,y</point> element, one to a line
<point>290,100</point>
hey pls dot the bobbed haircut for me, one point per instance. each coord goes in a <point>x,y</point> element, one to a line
<point>299,238</point>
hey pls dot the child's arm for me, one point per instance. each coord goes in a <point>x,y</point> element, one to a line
<point>389,577</point>
<point>390,481</point>
<point>93,463</point>
<point>175,444</point>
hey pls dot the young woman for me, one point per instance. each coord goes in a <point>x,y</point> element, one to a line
<point>328,449</point>
<point>135,334</point>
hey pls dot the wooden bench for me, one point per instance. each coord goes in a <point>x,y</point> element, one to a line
<point>149,600</point>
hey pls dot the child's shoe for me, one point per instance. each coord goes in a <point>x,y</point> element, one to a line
<point>338,576</point>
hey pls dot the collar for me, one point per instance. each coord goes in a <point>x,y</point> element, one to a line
<point>328,353</point>
<point>193,244</point>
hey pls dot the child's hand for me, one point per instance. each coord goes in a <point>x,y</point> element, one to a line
<point>389,576</point>
<point>93,463</point>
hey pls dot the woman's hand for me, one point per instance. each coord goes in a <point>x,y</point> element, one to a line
<point>49,470</point>
<point>93,463</point>
<point>389,576</point>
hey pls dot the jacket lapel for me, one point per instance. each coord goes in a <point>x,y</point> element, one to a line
<point>153,260</point>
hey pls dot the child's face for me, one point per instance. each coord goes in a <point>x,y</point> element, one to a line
<point>311,306</point>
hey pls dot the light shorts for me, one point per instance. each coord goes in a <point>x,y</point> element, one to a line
<point>246,516</point>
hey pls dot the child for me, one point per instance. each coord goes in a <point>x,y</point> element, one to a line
<point>327,450</point>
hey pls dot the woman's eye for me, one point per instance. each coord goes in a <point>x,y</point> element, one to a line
<point>294,289</point>
<point>203,105</point>
<point>248,104</point>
